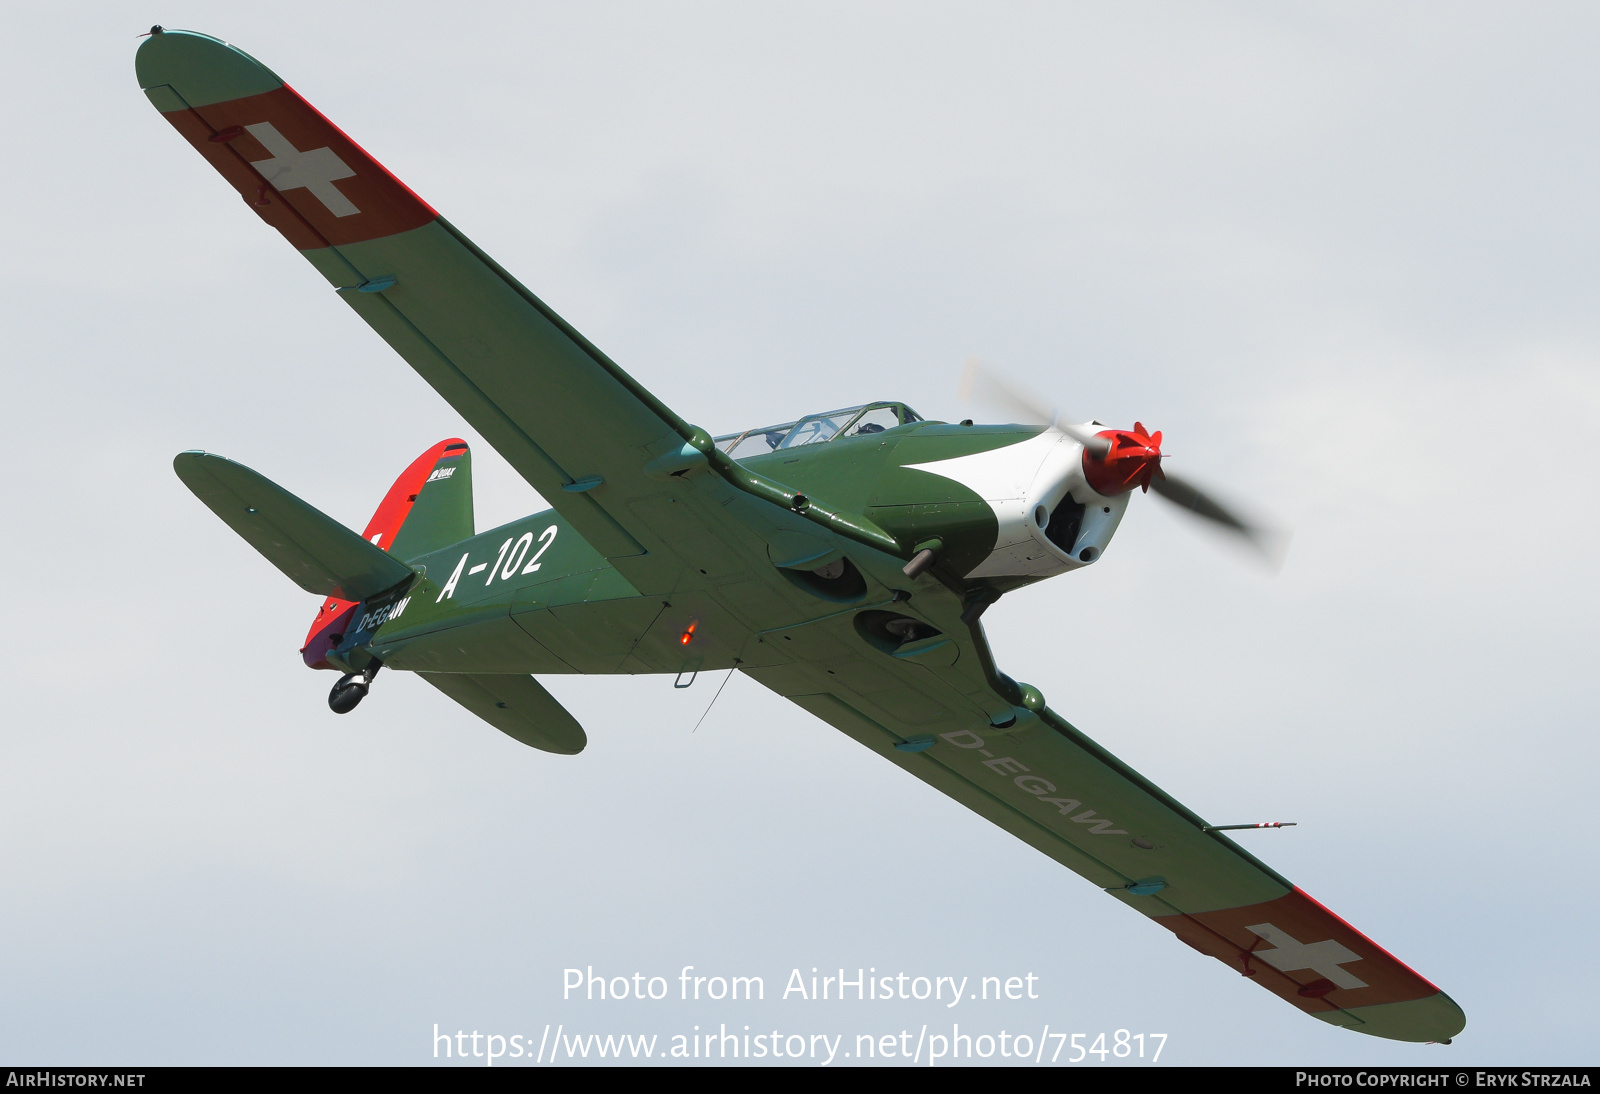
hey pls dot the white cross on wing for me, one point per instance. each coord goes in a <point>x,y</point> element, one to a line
<point>290,169</point>
<point>1320,957</point>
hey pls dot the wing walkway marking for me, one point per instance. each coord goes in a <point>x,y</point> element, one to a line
<point>1320,957</point>
<point>314,170</point>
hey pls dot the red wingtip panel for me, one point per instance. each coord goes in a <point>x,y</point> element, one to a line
<point>299,171</point>
<point>327,629</point>
<point>1300,951</point>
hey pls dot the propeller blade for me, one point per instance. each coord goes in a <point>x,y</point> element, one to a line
<point>987,387</point>
<point>1097,446</point>
<point>1186,495</point>
<point>981,383</point>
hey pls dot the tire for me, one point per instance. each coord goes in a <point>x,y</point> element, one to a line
<point>347,693</point>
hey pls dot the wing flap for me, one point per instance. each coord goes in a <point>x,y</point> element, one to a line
<point>309,547</point>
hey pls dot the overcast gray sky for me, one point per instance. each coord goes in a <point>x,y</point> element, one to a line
<point>1344,255</point>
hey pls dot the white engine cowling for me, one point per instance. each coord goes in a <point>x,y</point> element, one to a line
<point>1051,520</point>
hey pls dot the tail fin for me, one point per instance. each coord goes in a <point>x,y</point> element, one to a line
<point>428,507</point>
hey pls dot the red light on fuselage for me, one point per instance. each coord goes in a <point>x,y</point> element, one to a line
<point>688,632</point>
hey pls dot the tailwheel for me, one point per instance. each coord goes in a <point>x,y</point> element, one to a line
<point>349,691</point>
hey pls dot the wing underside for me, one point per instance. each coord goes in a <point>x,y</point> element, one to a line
<point>589,438</point>
<point>932,710</point>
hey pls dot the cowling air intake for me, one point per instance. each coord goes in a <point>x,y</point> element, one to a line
<point>428,507</point>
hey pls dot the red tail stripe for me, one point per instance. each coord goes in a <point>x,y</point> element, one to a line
<point>391,512</point>
<point>381,530</point>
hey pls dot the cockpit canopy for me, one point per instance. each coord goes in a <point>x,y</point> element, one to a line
<point>855,421</point>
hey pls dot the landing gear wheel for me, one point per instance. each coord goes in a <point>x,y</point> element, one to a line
<point>349,691</point>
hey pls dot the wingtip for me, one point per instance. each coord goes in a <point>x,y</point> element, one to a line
<point>201,69</point>
<point>1433,1019</point>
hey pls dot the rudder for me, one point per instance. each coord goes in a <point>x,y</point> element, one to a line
<point>428,507</point>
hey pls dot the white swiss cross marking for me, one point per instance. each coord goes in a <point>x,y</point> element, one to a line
<point>1319,957</point>
<point>290,169</point>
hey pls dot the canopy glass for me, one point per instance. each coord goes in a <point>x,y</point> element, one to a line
<point>855,421</point>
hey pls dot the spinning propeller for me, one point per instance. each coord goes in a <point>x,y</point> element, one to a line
<point>1115,460</point>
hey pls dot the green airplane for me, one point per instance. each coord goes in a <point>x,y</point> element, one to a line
<point>842,560</point>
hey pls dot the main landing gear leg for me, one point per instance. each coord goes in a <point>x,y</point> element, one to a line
<point>351,689</point>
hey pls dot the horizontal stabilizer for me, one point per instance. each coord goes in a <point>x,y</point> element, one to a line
<point>517,706</point>
<point>313,550</point>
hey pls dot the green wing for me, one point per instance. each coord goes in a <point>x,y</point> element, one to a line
<point>933,706</point>
<point>588,437</point>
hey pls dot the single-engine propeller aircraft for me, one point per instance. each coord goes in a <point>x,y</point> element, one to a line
<point>842,560</point>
